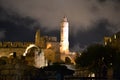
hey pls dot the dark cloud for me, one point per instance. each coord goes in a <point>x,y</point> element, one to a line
<point>102,1</point>
<point>2,34</point>
<point>80,12</point>
<point>90,20</point>
<point>92,36</point>
<point>13,27</point>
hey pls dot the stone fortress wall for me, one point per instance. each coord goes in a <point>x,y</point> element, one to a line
<point>15,44</point>
<point>6,48</point>
<point>48,44</point>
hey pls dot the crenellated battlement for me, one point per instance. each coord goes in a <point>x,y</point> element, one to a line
<point>15,44</point>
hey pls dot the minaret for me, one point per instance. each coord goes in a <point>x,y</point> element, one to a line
<point>64,42</point>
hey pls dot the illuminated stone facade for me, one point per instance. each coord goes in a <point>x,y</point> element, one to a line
<point>113,41</point>
<point>50,47</point>
<point>6,48</point>
<point>52,52</point>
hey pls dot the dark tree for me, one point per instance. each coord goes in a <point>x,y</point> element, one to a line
<point>97,58</point>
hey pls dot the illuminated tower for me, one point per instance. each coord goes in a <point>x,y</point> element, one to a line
<point>64,43</point>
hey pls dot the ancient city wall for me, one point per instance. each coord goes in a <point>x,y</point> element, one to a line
<point>6,48</point>
<point>8,51</point>
<point>15,44</point>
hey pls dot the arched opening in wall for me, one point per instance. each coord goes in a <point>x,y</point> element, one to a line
<point>31,52</point>
<point>31,46</point>
<point>31,56</point>
<point>67,60</point>
<point>35,56</point>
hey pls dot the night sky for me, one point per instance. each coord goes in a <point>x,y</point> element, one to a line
<point>90,20</point>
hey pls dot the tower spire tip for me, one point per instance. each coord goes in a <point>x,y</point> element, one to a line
<point>65,19</point>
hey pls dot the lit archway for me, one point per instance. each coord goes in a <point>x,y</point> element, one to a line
<point>29,47</point>
<point>39,57</point>
<point>72,60</point>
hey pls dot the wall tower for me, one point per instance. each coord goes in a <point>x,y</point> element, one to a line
<point>64,36</point>
<point>37,38</point>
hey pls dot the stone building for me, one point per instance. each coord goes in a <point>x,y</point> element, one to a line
<point>113,41</point>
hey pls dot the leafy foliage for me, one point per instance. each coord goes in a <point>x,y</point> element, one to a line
<point>96,56</point>
<point>59,68</point>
